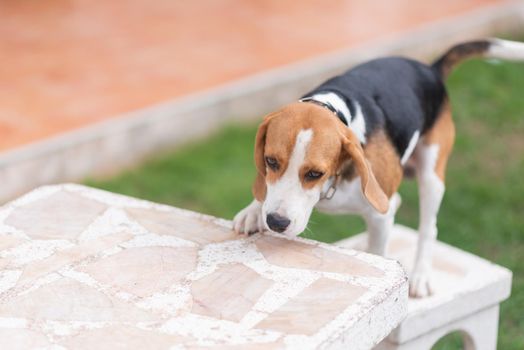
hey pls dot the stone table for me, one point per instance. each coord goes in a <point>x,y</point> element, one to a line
<point>86,269</point>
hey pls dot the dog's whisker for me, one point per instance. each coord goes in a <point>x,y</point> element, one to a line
<point>308,230</point>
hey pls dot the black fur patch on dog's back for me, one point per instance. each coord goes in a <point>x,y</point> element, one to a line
<point>397,94</point>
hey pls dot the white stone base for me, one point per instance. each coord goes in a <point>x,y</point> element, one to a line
<point>468,291</point>
<point>479,331</point>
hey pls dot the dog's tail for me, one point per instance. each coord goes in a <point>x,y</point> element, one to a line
<point>488,48</point>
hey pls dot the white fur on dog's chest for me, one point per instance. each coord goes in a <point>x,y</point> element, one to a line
<point>348,199</point>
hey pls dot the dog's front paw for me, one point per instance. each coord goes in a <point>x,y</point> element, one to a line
<point>249,220</point>
<point>420,283</point>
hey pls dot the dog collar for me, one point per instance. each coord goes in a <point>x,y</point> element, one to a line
<point>332,189</point>
<point>326,105</point>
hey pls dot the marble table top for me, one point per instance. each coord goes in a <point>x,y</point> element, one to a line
<point>82,268</point>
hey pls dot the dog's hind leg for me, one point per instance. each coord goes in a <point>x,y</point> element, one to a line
<point>431,156</point>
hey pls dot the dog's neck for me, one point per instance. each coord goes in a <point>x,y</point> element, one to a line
<point>333,102</point>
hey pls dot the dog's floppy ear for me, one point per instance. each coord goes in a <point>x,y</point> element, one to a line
<point>259,187</point>
<point>370,187</point>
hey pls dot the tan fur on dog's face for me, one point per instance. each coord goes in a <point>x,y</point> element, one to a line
<point>302,138</point>
<point>322,153</point>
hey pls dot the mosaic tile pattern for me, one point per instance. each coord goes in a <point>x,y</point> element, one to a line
<point>82,269</point>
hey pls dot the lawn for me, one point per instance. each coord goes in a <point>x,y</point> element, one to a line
<point>482,212</point>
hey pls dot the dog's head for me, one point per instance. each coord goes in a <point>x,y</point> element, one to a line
<point>297,149</point>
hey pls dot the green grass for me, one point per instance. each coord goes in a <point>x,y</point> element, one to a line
<point>482,212</point>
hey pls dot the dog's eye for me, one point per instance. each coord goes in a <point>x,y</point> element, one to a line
<point>272,163</point>
<point>313,175</point>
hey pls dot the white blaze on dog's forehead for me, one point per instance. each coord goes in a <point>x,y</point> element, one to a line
<point>290,181</point>
<point>411,147</point>
<point>299,152</point>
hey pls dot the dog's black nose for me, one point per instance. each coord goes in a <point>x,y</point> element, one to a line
<point>276,222</point>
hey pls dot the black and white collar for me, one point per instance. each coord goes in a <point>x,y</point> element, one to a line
<point>340,115</point>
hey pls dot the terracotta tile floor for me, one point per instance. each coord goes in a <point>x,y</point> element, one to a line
<point>68,63</point>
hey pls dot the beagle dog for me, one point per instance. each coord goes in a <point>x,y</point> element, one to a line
<point>343,148</point>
